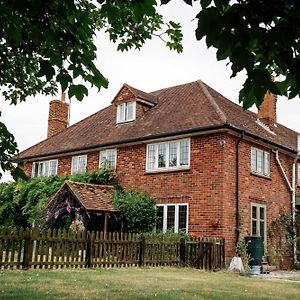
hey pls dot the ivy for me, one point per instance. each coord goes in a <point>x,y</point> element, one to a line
<point>22,203</point>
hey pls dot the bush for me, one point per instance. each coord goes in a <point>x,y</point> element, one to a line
<point>22,203</point>
<point>138,210</point>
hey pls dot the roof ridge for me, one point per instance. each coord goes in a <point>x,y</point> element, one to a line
<point>90,184</point>
<point>212,101</point>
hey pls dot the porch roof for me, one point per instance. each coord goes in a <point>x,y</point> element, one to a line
<point>92,197</point>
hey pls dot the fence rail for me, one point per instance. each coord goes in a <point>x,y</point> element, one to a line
<point>32,248</point>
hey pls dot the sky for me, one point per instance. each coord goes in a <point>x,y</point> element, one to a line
<point>151,68</point>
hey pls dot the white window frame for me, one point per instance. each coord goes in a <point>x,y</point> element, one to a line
<point>167,167</point>
<point>298,174</point>
<point>265,162</point>
<point>176,221</point>
<point>106,150</point>
<point>72,164</point>
<point>258,206</point>
<point>39,163</point>
<point>124,117</point>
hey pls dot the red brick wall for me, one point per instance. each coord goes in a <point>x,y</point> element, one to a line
<point>208,186</point>
<point>272,192</point>
<point>58,117</point>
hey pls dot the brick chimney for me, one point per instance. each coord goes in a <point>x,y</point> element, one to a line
<point>267,110</point>
<point>58,116</point>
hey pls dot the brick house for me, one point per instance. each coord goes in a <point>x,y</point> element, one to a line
<point>213,168</point>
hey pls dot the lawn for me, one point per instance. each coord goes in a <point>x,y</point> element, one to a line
<point>140,283</point>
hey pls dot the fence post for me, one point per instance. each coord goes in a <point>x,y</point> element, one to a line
<point>142,251</point>
<point>89,249</point>
<point>182,252</point>
<point>27,255</point>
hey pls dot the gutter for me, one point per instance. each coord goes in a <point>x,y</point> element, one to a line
<point>237,204</point>
<point>292,188</point>
<point>164,135</point>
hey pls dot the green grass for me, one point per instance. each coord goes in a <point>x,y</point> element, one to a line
<point>139,283</point>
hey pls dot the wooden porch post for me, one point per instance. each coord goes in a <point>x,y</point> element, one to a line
<point>105,222</point>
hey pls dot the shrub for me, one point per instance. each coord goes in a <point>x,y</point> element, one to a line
<point>22,203</point>
<point>138,210</point>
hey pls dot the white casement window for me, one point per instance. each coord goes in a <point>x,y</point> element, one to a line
<point>259,220</point>
<point>126,112</point>
<point>298,173</point>
<point>108,158</point>
<point>79,164</point>
<point>168,155</point>
<point>260,162</point>
<point>44,168</point>
<point>173,217</point>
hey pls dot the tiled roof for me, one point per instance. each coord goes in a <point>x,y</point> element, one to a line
<point>93,197</point>
<point>184,108</point>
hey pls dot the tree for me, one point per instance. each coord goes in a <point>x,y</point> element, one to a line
<point>261,37</point>
<point>48,44</point>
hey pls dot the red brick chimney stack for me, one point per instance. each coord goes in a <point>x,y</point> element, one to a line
<point>58,116</point>
<point>267,110</point>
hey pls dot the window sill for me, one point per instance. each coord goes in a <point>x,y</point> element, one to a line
<point>168,170</point>
<point>125,122</point>
<point>261,175</point>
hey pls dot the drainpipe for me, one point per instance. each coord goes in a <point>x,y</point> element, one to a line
<point>292,188</point>
<point>237,216</point>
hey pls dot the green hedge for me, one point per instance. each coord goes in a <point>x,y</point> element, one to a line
<point>138,210</point>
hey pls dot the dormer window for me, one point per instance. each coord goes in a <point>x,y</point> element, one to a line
<point>126,112</point>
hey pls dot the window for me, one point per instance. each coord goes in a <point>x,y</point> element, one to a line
<point>258,220</point>
<point>168,155</point>
<point>173,217</point>
<point>260,162</point>
<point>108,158</point>
<point>126,112</point>
<point>44,168</point>
<point>298,174</point>
<point>79,164</point>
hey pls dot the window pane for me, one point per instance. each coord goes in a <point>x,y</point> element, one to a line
<point>122,112</point>
<point>254,230</point>
<point>298,174</point>
<point>74,164</point>
<point>35,170</point>
<point>259,161</point>
<point>262,213</point>
<point>172,154</point>
<point>53,167</point>
<point>184,153</point>
<point>40,169</point>
<point>170,217</point>
<point>162,151</point>
<point>253,160</point>
<point>254,212</point>
<point>81,164</point>
<point>266,163</point>
<point>160,218</point>
<point>151,157</point>
<point>130,111</point>
<point>103,160</point>
<point>111,155</point>
<point>262,228</point>
<point>182,218</point>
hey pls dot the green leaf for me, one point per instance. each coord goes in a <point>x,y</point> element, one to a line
<point>79,91</point>
<point>64,79</point>
<point>205,3</point>
<point>209,25</point>
<point>46,69</point>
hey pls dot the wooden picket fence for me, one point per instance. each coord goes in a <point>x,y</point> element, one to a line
<point>32,248</point>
